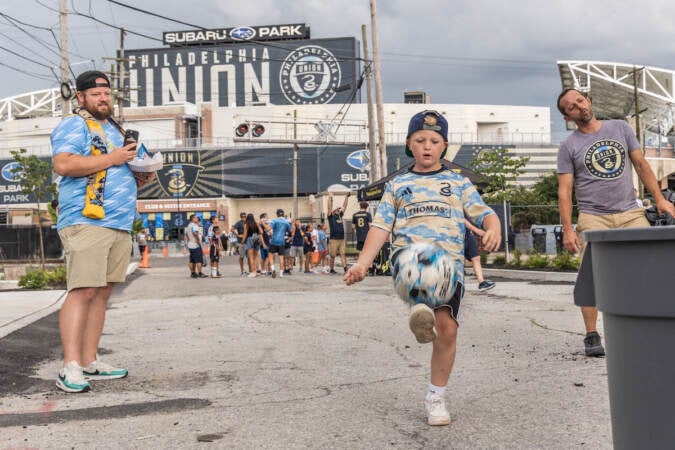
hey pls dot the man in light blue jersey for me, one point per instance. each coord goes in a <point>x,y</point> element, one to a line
<point>89,153</point>
<point>280,226</point>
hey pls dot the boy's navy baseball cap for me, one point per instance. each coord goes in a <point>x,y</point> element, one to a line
<point>87,80</point>
<point>428,120</point>
<point>280,212</point>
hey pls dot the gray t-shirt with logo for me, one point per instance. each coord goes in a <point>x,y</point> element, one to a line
<point>603,179</point>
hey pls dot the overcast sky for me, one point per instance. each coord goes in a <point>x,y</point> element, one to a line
<point>464,51</point>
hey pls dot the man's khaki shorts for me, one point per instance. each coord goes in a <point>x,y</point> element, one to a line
<point>336,246</point>
<point>95,256</point>
<point>634,218</point>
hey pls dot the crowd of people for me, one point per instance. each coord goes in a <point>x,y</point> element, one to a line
<point>272,247</point>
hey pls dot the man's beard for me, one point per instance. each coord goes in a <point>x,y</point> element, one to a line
<point>587,117</point>
<point>101,111</point>
<point>102,114</point>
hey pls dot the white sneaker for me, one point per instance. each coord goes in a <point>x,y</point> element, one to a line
<point>437,413</point>
<point>281,274</point>
<point>98,370</point>
<point>421,321</point>
<point>71,378</point>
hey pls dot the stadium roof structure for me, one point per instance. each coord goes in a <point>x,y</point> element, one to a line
<point>614,87</point>
<point>45,103</point>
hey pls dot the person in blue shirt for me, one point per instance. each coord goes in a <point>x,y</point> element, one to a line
<point>89,145</point>
<point>280,226</point>
<point>322,246</point>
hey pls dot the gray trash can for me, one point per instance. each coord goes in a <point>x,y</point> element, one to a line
<point>632,271</point>
<point>539,239</point>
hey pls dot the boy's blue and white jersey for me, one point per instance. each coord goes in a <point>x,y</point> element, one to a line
<point>430,208</point>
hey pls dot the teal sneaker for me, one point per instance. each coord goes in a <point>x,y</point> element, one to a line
<point>71,379</point>
<point>98,370</point>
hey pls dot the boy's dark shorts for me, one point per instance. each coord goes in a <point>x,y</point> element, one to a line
<point>214,254</point>
<point>454,303</point>
<point>470,247</point>
<point>196,255</point>
<point>277,249</point>
<point>359,245</point>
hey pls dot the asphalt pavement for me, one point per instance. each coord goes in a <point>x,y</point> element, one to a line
<point>303,362</point>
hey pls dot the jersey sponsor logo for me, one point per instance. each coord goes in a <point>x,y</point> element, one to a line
<point>427,209</point>
<point>446,190</point>
<point>309,75</point>
<point>606,159</point>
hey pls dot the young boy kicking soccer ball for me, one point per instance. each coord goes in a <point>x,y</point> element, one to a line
<point>424,210</point>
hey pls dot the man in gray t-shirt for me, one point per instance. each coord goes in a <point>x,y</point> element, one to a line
<point>596,160</point>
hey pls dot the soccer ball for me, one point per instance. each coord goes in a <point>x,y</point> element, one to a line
<point>424,273</point>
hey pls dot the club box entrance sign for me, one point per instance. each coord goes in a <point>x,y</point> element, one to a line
<point>300,72</point>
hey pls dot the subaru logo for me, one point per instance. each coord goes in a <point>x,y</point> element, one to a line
<point>359,160</point>
<point>242,33</point>
<point>7,172</point>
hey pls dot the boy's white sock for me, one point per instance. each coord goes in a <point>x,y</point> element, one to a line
<point>272,267</point>
<point>435,390</point>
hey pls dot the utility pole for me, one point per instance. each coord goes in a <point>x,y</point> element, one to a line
<point>121,74</point>
<point>63,30</point>
<point>295,164</point>
<point>638,131</point>
<point>378,90</point>
<point>372,147</point>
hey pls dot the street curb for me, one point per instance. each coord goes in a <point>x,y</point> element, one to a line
<point>528,275</point>
<point>27,319</point>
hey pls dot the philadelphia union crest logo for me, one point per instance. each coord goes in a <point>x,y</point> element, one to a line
<point>605,159</point>
<point>309,75</point>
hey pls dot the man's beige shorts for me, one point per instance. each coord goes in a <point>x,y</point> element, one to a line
<point>336,246</point>
<point>633,218</point>
<point>95,255</point>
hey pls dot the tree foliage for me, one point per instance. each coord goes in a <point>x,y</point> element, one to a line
<point>536,204</point>
<point>500,170</point>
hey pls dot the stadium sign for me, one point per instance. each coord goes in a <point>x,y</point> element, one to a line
<point>11,190</point>
<point>294,72</point>
<point>236,34</point>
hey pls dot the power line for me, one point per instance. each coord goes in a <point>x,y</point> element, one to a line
<point>9,38</point>
<point>31,74</point>
<point>155,14</point>
<point>46,6</point>
<point>77,13</point>
<point>24,57</point>
<point>12,21</point>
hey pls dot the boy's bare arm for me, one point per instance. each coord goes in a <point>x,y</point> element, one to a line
<point>473,228</point>
<point>374,242</point>
<point>493,233</point>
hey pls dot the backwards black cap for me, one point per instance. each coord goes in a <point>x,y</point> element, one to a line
<point>87,80</point>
